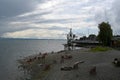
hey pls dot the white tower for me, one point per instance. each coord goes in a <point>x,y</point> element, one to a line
<point>70,38</point>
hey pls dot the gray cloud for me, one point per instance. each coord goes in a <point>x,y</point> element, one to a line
<point>58,20</point>
<point>55,15</point>
<point>109,13</point>
<point>58,28</point>
<point>10,8</point>
<point>7,28</point>
<point>115,17</point>
<point>116,11</point>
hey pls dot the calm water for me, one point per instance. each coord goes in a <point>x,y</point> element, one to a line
<point>11,50</point>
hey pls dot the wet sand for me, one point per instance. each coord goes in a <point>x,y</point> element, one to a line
<point>105,70</point>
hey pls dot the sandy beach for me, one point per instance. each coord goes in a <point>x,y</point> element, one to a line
<point>105,70</point>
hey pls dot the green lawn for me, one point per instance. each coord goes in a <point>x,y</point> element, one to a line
<point>100,49</point>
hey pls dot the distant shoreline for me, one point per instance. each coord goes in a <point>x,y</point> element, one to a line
<point>27,39</point>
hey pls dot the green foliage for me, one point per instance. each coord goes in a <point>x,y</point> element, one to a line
<point>100,48</point>
<point>105,33</point>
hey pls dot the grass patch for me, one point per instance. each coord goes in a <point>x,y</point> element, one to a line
<point>100,49</point>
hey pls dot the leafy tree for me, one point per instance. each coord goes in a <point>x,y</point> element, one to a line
<point>105,33</point>
<point>92,37</point>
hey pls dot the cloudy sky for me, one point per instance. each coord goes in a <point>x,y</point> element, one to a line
<point>52,19</point>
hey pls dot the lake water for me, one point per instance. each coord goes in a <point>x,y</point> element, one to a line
<point>12,50</point>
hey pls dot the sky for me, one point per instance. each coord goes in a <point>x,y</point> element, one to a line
<point>52,19</point>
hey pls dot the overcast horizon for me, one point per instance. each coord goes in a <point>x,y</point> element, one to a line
<point>52,19</point>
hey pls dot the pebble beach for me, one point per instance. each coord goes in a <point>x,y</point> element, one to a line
<point>105,70</point>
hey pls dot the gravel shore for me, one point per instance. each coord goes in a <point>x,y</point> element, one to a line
<point>105,70</point>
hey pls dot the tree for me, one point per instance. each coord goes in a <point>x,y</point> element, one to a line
<point>92,37</point>
<point>105,33</point>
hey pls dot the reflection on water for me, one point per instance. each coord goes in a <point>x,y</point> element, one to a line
<point>12,50</point>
